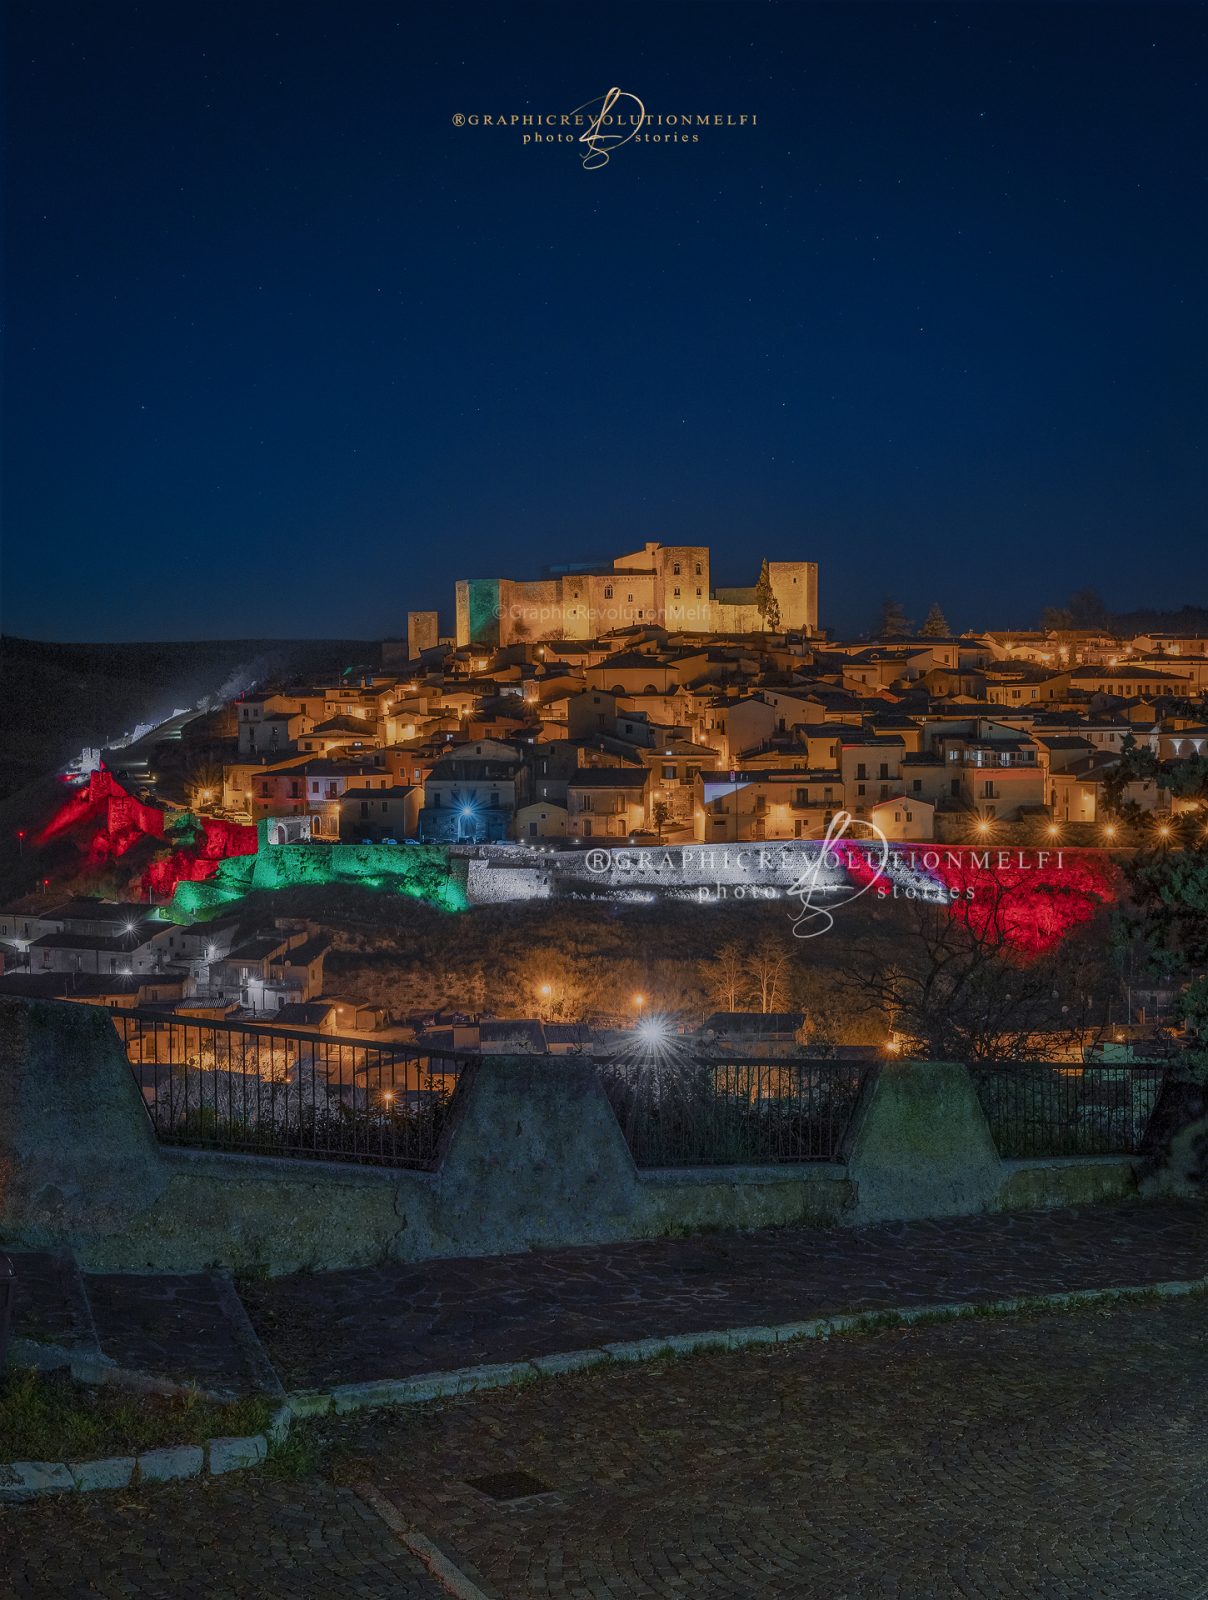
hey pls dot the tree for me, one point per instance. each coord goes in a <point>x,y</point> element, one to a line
<point>1136,761</point>
<point>1167,914</point>
<point>936,625</point>
<point>959,990</point>
<point>726,976</point>
<point>767,968</point>
<point>1088,610</point>
<point>892,623</point>
<point>1083,610</point>
<point>766,602</point>
<point>660,815</point>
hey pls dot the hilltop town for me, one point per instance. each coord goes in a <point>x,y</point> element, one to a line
<point>716,716</point>
<point>528,757</point>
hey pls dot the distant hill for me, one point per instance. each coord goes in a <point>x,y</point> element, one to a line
<point>57,698</point>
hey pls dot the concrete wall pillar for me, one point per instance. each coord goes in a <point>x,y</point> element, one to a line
<point>921,1146</point>
<point>78,1154</point>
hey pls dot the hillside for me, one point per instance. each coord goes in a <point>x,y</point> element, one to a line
<point>59,697</point>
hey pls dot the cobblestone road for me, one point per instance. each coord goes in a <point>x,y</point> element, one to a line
<point>399,1320</point>
<point>1062,1457</point>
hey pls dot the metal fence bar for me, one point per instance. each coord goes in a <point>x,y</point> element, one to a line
<point>703,1112</point>
<point>282,1091</point>
<point>1051,1109</point>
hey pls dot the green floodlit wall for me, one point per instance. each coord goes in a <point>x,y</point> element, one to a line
<point>423,871</point>
<point>484,608</point>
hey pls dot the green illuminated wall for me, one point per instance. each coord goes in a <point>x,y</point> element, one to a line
<point>422,871</point>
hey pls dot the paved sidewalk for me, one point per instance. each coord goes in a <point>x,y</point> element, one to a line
<point>393,1321</point>
<point>1040,1457</point>
<point>401,1321</point>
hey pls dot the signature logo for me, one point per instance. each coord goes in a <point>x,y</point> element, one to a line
<point>813,919</point>
<point>606,132</point>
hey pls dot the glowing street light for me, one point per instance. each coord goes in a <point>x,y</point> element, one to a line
<point>639,1001</point>
<point>653,1030</point>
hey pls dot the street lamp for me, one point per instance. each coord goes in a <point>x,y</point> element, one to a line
<point>639,1001</point>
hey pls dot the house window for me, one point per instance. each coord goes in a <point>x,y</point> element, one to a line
<point>608,591</point>
<point>861,772</point>
<point>676,572</point>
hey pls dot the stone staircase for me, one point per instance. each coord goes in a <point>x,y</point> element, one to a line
<point>176,1331</point>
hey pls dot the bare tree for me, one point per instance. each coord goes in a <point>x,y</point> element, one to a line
<point>726,976</point>
<point>767,969</point>
<point>963,990</point>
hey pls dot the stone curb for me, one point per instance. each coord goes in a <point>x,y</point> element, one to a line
<point>384,1392</point>
<point>26,1480</point>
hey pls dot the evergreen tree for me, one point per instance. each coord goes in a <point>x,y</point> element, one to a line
<point>766,602</point>
<point>936,625</point>
<point>892,623</point>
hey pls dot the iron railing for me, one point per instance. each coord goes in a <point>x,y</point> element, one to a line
<point>1050,1109</point>
<point>286,1092</point>
<point>698,1112</point>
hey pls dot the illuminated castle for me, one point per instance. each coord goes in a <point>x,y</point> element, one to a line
<point>664,586</point>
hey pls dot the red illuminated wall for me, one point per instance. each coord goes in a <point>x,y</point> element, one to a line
<point>1031,899</point>
<point>108,821</point>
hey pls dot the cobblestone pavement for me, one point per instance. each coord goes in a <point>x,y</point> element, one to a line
<point>175,1325</point>
<point>397,1321</point>
<point>245,1537</point>
<point>188,1327</point>
<point>1040,1457</point>
<point>1054,1456</point>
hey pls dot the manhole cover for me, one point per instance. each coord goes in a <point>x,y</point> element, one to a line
<point>509,1485</point>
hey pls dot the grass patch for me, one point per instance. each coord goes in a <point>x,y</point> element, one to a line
<point>49,1417</point>
<point>296,1456</point>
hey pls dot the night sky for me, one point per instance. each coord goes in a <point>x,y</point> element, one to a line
<point>288,352</point>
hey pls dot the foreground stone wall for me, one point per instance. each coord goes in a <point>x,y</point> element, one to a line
<point>534,1158</point>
